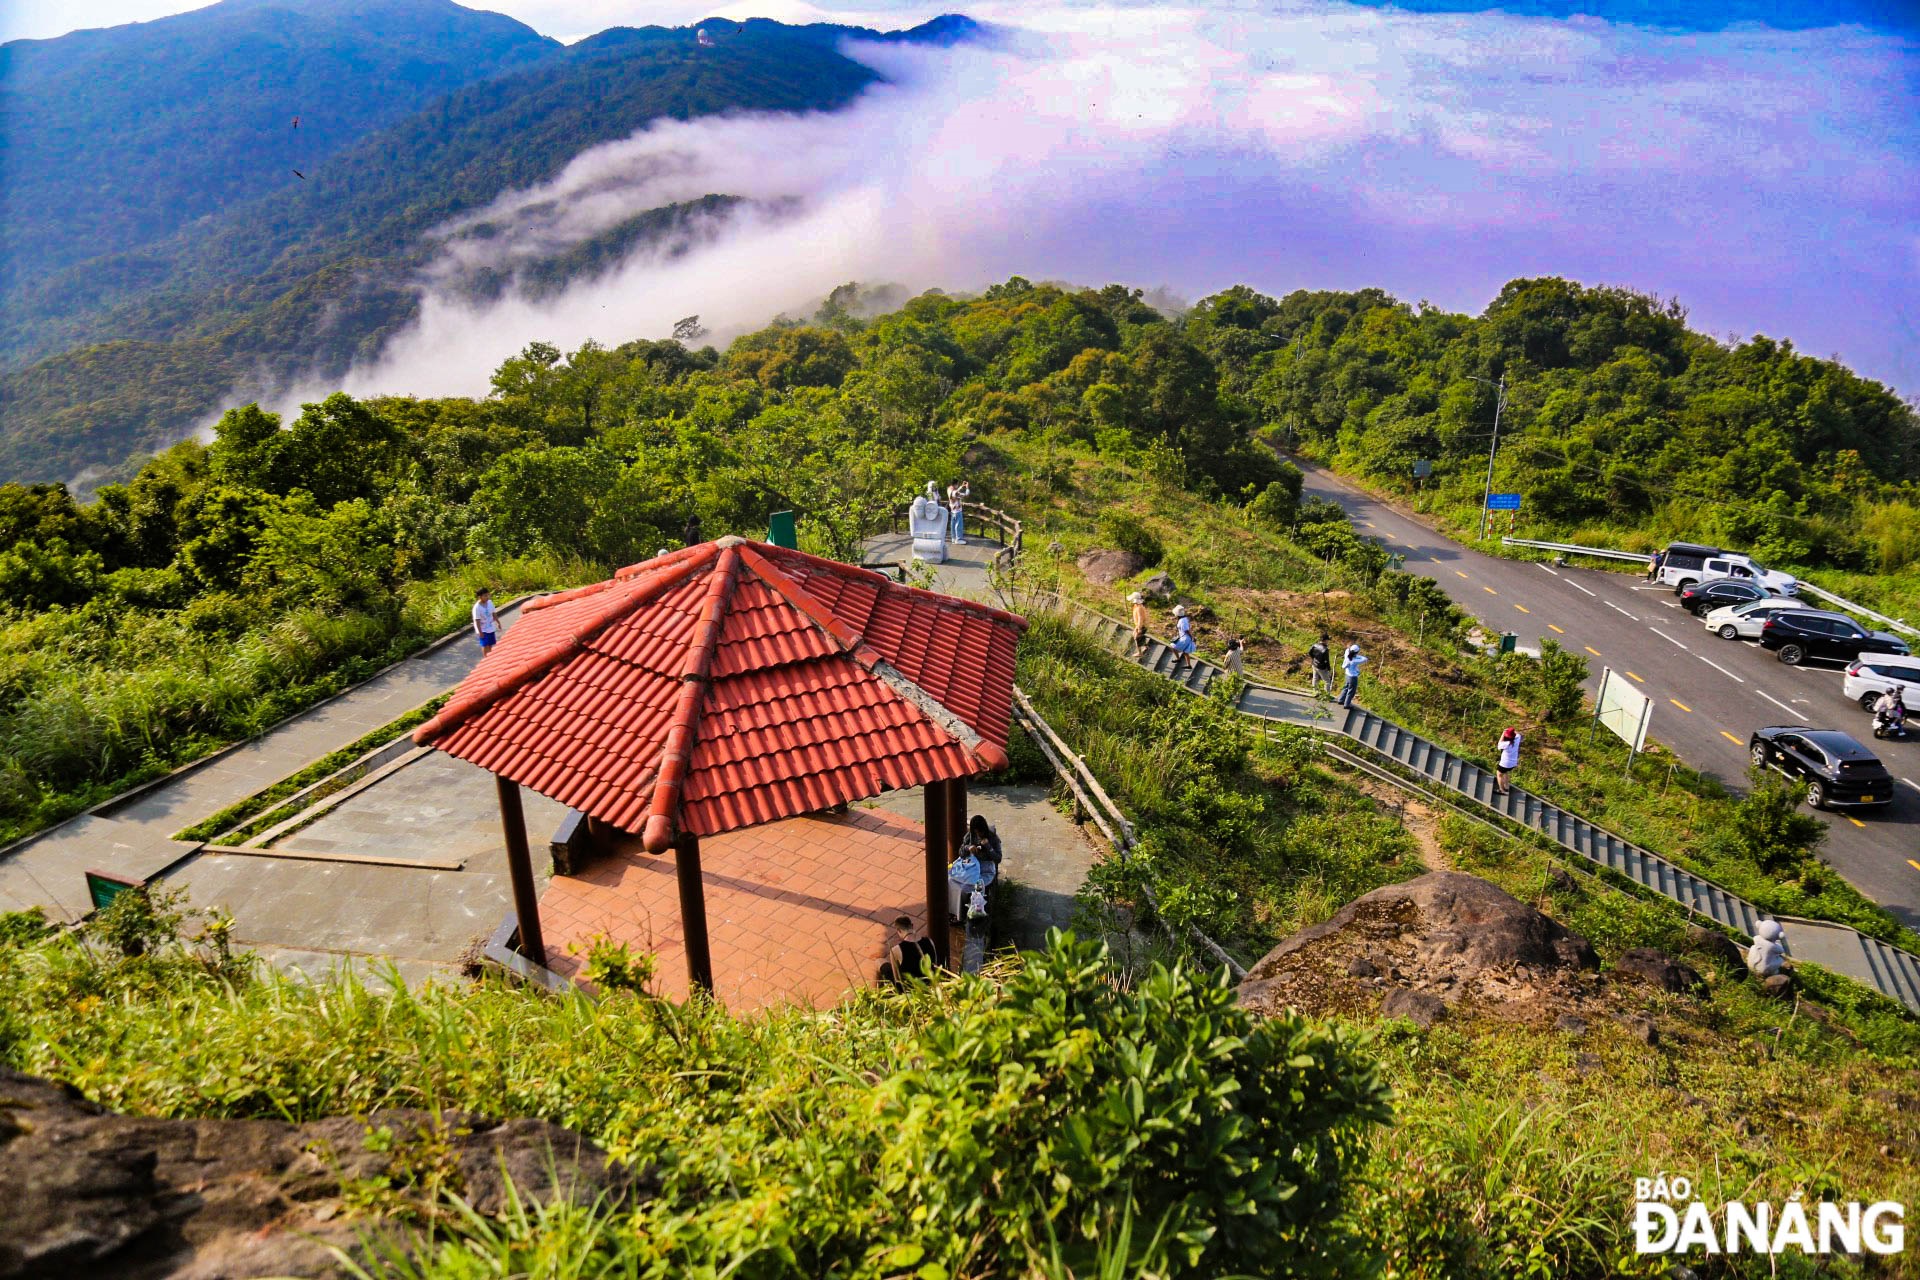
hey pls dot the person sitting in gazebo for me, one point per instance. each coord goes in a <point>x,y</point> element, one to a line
<point>907,956</point>
<point>983,842</point>
<point>963,877</point>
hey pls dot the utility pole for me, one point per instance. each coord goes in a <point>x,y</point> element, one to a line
<point>1499,403</point>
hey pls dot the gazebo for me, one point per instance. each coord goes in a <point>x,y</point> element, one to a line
<point>732,684</point>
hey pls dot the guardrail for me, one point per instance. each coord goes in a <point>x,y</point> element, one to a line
<point>1568,548</point>
<point>1607,553</point>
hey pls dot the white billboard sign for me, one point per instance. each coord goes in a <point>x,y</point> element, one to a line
<point>1624,710</point>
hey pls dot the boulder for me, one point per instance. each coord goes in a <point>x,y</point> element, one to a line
<point>1104,568</point>
<point>1417,1007</point>
<point>1571,1024</point>
<point>1778,987</point>
<point>1641,1029</point>
<point>1456,936</point>
<point>1560,880</point>
<point>1159,588</point>
<point>1644,964</point>
<point>94,1193</point>
<point>1715,945</point>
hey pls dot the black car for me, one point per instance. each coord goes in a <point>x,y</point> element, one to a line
<point>1702,598</point>
<point>1815,633</point>
<point>1838,770</point>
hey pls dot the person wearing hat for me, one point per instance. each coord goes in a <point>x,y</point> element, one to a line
<point>1351,665</point>
<point>1183,642</point>
<point>1509,748</point>
<point>1139,602</point>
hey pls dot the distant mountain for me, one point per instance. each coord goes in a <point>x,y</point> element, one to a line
<point>110,139</point>
<point>124,351</point>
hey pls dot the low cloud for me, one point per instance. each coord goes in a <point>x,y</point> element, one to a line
<point>1770,180</point>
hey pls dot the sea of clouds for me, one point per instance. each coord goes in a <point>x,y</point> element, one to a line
<point>1770,180</point>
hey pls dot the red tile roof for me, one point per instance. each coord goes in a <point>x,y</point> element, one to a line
<point>735,683</point>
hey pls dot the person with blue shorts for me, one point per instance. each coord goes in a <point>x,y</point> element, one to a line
<point>486,623</point>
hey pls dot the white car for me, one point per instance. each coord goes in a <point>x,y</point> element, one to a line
<point>1687,563</point>
<point>1743,621</point>
<point>1872,674</point>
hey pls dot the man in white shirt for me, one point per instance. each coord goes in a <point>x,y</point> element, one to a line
<point>486,623</point>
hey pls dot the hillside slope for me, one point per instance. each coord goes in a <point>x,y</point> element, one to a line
<point>117,137</point>
<point>306,279</point>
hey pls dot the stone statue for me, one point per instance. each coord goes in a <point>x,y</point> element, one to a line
<point>927,522</point>
<point>1765,955</point>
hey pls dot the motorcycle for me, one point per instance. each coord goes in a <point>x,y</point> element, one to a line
<point>1886,727</point>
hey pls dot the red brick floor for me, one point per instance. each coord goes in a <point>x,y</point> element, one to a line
<point>798,912</point>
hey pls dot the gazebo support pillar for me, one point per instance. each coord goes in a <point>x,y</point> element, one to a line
<point>956,823</point>
<point>693,911</point>
<point>936,829</point>
<point>526,903</point>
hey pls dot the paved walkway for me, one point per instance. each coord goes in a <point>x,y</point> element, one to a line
<point>132,837</point>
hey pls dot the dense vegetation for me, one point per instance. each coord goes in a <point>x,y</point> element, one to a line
<point>1621,426</point>
<point>120,136</point>
<point>307,278</point>
<point>1046,1119</point>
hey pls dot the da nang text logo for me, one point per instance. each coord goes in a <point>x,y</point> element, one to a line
<point>1667,1219</point>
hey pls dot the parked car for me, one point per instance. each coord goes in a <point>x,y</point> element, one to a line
<point>1743,621</point>
<point>1798,634</point>
<point>1703,598</point>
<point>1873,675</point>
<point>1837,769</point>
<point>1686,563</point>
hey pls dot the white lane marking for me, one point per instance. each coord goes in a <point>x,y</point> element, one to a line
<point>1775,701</point>
<point>1617,609</point>
<point>1910,782</point>
<point>1664,636</point>
<point>1671,604</point>
<point>1577,587</point>
<point>1538,565</point>
<point>1717,667</point>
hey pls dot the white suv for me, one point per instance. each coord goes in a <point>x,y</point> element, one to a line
<point>1743,621</point>
<point>1872,674</point>
<point>1687,563</point>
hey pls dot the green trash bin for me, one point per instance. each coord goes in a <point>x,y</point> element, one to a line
<point>1507,641</point>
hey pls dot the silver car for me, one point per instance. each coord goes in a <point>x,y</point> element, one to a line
<point>1743,621</point>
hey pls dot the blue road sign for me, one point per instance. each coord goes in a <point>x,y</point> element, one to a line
<point>1422,468</point>
<point>1503,502</point>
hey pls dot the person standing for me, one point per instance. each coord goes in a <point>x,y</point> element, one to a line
<point>1655,565</point>
<point>957,494</point>
<point>1183,641</point>
<point>690,536</point>
<point>1320,658</point>
<point>1236,659</point>
<point>486,622</point>
<point>1139,602</point>
<point>1509,760</point>
<point>1351,665</point>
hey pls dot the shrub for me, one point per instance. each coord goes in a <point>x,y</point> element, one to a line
<point>1040,1121</point>
<point>1563,677</point>
<point>1278,504</point>
<point>1771,827</point>
<point>1129,533</point>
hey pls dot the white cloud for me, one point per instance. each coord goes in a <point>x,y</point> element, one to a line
<point>1769,179</point>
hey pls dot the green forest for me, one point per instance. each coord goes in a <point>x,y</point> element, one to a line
<point>1065,1114</point>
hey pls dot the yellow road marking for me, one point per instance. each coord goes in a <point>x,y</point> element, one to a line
<point>1551,627</point>
<point>1637,679</point>
<point>1913,864</point>
<point>1522,608</point>
<point>1683,706</point>
<point>1490,591</point>
<point>1590,649</point>
<point>1855,821</point>
<point>1729,737</point>
<point>1461,574</point>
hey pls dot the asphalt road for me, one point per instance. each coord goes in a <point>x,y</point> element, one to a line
<point>1709,694</point>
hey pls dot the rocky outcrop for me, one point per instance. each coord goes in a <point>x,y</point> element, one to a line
<point>89,1192</point>
<point>1657,969</point>
<point>1105,568</point>
<point>1446,938</point>
<point>1159,588</point>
